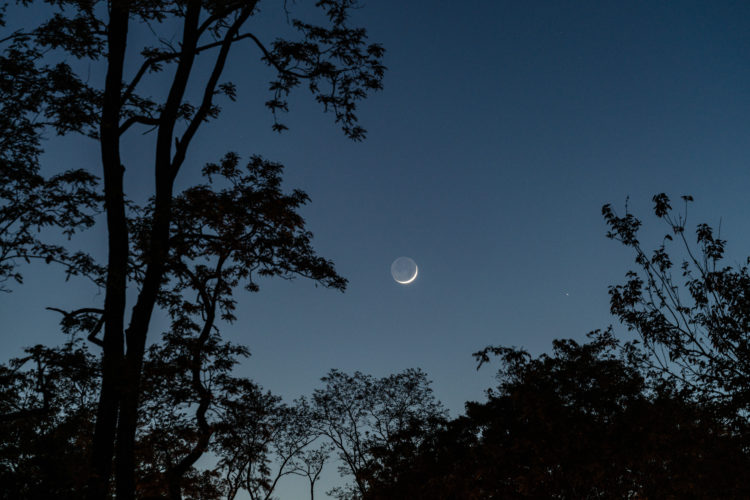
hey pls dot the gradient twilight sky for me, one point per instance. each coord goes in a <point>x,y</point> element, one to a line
<point>502,130</point>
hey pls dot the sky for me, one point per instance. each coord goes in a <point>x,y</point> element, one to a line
<point>502,129</point>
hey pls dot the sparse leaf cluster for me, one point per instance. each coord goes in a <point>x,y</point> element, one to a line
<point>693,314</point>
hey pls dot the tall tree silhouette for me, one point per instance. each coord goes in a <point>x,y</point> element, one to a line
<point>332,59</point>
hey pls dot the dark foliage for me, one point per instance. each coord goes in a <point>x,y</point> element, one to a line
<point>368,420</point>
<point>580,423</point>
<point>34,96</point>
<point>47,407</point>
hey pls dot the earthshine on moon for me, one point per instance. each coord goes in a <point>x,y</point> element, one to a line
<point>404,270</point>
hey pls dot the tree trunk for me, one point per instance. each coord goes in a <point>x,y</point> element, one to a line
<point>114,302</point>
<point>156,257</point>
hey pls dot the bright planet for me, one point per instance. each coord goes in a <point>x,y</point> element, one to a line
<point>404,270</point>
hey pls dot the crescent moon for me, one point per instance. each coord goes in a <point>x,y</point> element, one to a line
<point>416,271</point>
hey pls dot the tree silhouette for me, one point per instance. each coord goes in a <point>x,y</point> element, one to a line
<point>582,422</point>
<point>332,59</point>
<point>261,447</point>
<point>694,320</point>
<point>49,401</point>
<point>47,407</point>
<point>310,464</point>
<point>183,407</point>
<point>361,415</point>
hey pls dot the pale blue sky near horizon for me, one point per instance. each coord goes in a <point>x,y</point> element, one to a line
<point>502,129</point>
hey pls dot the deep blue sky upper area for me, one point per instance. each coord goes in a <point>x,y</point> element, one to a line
<point>502,130</point>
